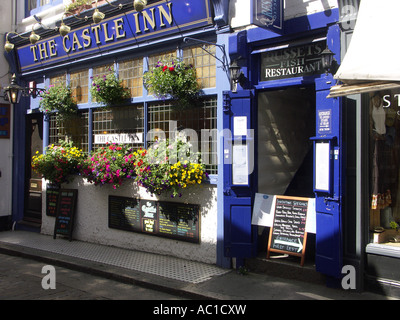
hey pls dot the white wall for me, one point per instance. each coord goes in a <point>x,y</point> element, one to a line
<point>5,144</point>
<point>241,16</point>
<point>91,222</point>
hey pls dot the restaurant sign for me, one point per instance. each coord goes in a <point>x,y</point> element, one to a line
<point>160,19</point>
<point>296,61</point>
<point>268,14</point>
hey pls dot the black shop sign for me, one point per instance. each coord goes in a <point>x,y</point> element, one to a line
<point>292,61</point>
<point>160,218</point>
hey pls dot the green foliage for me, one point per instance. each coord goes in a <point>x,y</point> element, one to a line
<point>59,163</point>
<point>108,89</point>
<point>173,79</point>
<point>58,99</point>
<point>169,166</point>
<point>77,4</point>
<point>109,165</point>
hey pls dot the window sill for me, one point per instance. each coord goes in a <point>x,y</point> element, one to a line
<point>383,250</point>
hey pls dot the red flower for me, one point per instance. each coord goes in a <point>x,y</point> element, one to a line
<point>165,68</point>
<point>171,69</point>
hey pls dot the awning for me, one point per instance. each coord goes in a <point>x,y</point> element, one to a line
<point>373,53</point>
<point>348,89</point>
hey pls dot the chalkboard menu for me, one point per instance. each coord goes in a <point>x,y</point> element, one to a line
<point>165,219</point>
<point>66,208</point>
<point>288,234</point>
<point>51,201</point>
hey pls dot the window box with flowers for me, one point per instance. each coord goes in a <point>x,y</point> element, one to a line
<point>59,164</point>
<point>109,90</point>
<point>169,167</point>
<point>109,165</point>
<point>173,79</point>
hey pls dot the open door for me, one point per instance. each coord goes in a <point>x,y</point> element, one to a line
<point>240,237</point>
<point>33,180</point>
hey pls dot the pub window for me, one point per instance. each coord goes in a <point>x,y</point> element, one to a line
<point>131,74</point>
<point>79,85</point>
<point>59,80</point>
<point>75,130</point>
<point>160,57</point>
<point>123,124</point>
<point>204,63</point>
<point>203,120</point>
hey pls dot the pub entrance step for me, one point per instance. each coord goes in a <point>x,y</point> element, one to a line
<point>285,266</point>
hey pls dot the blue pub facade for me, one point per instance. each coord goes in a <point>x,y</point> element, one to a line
<point>279,131</point>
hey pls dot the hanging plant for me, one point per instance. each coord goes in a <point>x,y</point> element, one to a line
<point>58,99</point>
<point>108,89</point>
<point>175,80</point>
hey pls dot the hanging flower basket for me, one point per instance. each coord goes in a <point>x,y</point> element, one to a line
<point>173,79</point>
<point>109,90</point>
<point>58,99</point>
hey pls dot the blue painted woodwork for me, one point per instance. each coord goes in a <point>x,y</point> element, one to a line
<point>240,237</point>
<point>329,247</point>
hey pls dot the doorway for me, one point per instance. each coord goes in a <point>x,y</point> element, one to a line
<point>286,122</point>
<point>33,180</point>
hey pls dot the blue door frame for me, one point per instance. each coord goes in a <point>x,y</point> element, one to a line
<point>240,236</point>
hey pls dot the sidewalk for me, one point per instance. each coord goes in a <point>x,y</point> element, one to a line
<point>188,279</point>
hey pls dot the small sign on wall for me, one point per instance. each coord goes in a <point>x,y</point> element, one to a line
<point>5,120</point>
<point>268,14</point>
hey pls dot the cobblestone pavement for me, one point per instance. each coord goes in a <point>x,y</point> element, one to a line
<point>21,279</point>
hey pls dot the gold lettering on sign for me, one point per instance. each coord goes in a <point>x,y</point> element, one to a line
<point>165,14</point>
<point>118,28</point>
<point>75,42</point>
<point>67,50</point>
<point>33,49</point>
<point>145,21</point>
<point>43,51</point>
<point>96,29</point>
<point>146,18</point>
<point>87,41</point>
<point>52,48</point>
<point>106,36</point>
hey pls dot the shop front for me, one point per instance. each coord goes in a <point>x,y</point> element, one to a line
<point>107,204</point>
<point>284,159</point>
<point>369,86</point>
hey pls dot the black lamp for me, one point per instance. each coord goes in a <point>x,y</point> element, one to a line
<point>13,91</point>
<point>327,60</point>
<point>237,76</point>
